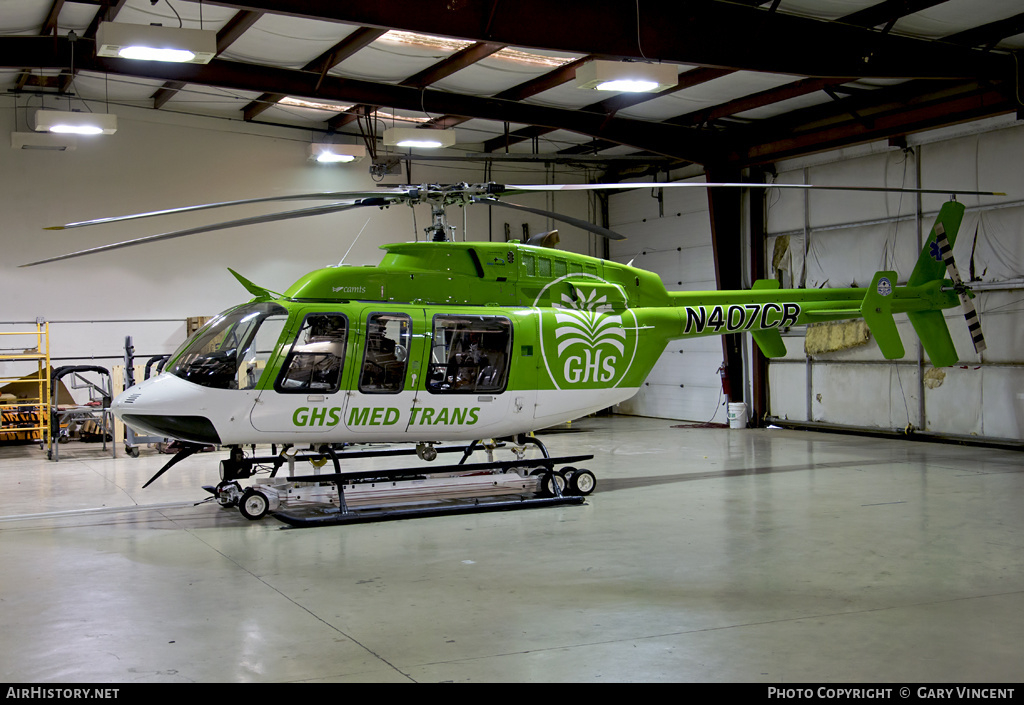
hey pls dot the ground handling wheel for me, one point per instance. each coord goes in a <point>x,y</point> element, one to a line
<point>582,482</point>
<point>549,481</point>
<point>254,504</point>
<point>228,494</point>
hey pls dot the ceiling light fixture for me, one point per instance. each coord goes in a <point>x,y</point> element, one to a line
<point>70,123</point>
<point>336,153</point>
<point>156,43</point>
<point>45,141</point>
<point>415,137</point>
<point>626,76</point>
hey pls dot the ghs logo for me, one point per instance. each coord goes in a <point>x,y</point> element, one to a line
<point>584,342</point>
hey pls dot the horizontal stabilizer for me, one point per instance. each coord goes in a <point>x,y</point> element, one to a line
<point>877,313</point>
<point>768,339</point>
<point>770,342</point>
<point>931,328</point>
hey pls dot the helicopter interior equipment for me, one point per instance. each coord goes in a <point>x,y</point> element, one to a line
<point>464,341</point>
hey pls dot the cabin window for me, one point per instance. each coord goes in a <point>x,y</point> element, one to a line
<point>258,352</point>
<point>469,354</point>
<point>315,361</point>
<point>386,354</point>
<point>529,265</point>
<point>232,349</point>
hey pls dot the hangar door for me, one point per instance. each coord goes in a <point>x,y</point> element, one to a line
<point>668,232</point>
<point>827,239</point>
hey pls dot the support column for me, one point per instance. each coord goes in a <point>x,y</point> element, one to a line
<point>759,407</point>
<point>725,205</point>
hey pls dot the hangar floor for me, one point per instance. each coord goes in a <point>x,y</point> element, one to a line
<point>769,556</point>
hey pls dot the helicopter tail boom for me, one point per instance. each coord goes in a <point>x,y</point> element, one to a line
<point>766,309</point>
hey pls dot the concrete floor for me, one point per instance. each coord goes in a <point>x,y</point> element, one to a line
<point>768,556</point>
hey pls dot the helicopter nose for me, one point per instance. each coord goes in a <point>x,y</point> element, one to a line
<point>157,407</point>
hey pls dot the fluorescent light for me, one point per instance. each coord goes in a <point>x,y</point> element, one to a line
<point>156,43</point>
<point>336,153</point>
<point>43,141</point>
<point>415,137</point>
<point>626,76</point>
<point>69,123</point>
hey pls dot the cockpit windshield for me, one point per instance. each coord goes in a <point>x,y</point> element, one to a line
<point>232,349</point>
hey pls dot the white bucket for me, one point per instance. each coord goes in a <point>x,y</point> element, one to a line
<point>737,415</point>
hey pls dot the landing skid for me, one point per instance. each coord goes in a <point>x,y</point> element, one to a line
<point>425,490</point>
<point>329,516</point>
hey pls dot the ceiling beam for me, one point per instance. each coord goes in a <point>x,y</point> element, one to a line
<point>552,79</point>
<point>929,109</point>
<point>677,32</point>
<point>753,101</point>
<point>887,12</point>
<point>988,34</point>
<point>229,33</point>
<point>359,39</point>
<point>668,140</point>
<point>884,12</point>
<point>442,69</point>
<point>456,62</point>
<point>610,106</point>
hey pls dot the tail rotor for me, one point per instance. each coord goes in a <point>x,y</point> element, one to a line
<point>941,250</point>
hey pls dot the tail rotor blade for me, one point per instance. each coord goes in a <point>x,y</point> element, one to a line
<point>970,312</point>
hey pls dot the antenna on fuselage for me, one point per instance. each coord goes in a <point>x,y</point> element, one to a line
<point>354,242</point>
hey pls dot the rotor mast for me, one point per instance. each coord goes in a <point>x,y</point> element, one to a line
<point>439,198</point>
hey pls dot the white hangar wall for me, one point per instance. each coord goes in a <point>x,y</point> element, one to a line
<point>158,160</point>
<point>822,239</point>
<point>668,232</point>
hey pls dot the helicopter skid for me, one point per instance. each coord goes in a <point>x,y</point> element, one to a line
<point>390,494</point>
<point>329,516</point>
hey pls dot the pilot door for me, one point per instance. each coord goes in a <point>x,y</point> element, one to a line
<point>308,394</point>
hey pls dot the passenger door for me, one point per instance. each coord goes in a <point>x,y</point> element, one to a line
<point>390,349</point>
<point>308,395</point>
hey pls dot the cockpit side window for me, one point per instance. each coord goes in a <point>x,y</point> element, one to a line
<point>317,356</point>
<point>469,354</point>
<point>253,361</point>
<point>386,353</point>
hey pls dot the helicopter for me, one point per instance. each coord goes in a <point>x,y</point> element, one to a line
<point>475,342</point>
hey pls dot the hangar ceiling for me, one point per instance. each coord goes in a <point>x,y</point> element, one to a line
<point>759,80</point>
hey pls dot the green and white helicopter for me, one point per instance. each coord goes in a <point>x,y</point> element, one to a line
<point>467,342</point>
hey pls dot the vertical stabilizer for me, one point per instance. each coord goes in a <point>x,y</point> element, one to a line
<point>933,264</point>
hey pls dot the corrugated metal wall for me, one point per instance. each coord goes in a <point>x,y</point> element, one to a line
<point>671,236</point>
<point>835,239</point>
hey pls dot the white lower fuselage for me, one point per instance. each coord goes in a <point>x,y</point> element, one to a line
<point>168,406</point>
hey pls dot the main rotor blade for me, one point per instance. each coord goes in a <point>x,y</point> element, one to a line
<point>254,220</point>
<point>513,188</point>
<point>582,224</point>
<point>323,196</point>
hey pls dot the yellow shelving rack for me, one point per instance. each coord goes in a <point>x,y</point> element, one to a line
<point>39,355</point>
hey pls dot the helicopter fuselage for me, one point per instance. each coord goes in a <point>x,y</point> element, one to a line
<point>457,341</point>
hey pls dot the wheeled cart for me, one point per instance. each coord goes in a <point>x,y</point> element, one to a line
<point>94,416</point>
<point>376,495</point>
<point>133,440</point>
